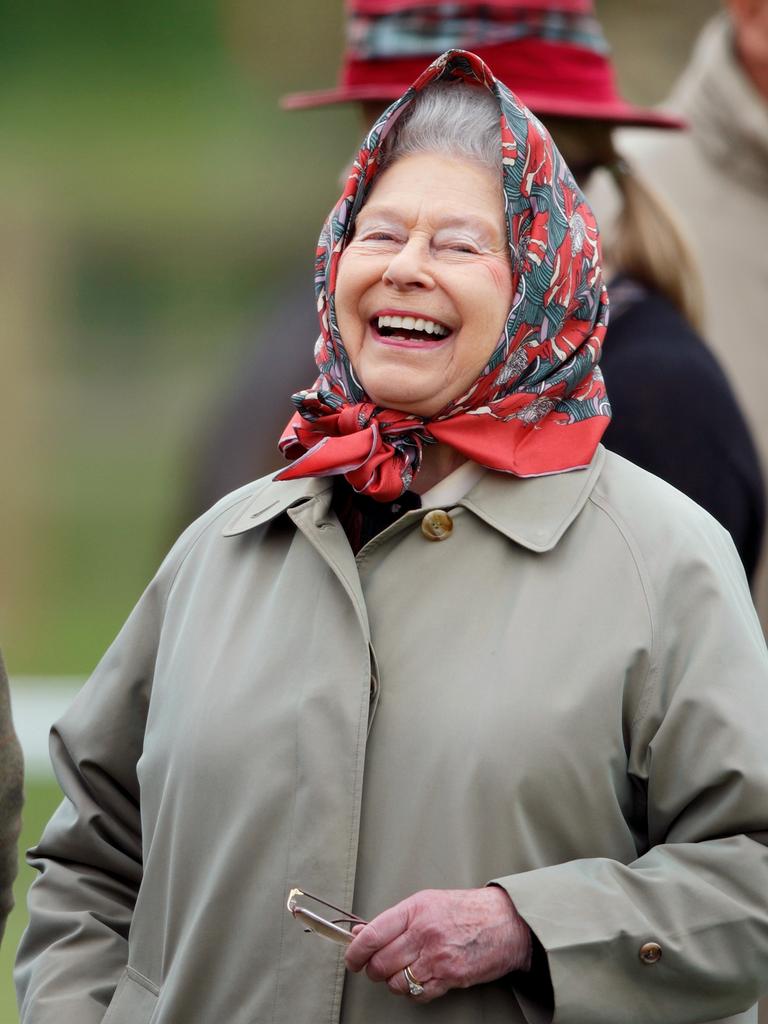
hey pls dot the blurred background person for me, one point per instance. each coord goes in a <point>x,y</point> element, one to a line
<point>11,799</point>
<point>716,177</point>
<point>674,412</point>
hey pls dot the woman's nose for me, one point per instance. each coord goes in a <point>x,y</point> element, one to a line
<point>410,267</point>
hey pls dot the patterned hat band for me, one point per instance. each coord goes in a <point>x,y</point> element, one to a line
<point>425,31</point>
<point>568,72</point>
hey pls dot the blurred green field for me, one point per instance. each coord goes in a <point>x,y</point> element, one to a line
<point>42,797</point>
<point>151,193</point>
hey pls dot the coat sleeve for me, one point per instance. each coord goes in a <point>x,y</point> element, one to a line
<point>90,855</point>
<point>698,891</point>
<point>11,799</point>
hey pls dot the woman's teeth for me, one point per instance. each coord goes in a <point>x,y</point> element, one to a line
<point>411,323</point>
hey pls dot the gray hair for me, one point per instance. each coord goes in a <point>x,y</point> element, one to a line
<point>456,119</point>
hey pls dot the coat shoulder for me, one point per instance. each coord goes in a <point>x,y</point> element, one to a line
<point>230,502</point>
<point>686,563</point>
<point>211,523</point>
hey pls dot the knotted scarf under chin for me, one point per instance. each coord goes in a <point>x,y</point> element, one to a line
<point>377,450</point>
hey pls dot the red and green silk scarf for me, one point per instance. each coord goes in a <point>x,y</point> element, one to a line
<point>539,406</point>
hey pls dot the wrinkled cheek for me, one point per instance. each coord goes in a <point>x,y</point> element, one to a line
<point>342,282</point>
<point>343,302</point>
<point>351,327</point>
<point>500,275</point>
<point>348,331</point>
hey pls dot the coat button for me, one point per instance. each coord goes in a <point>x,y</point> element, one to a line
<point>650,953</point>
<point>437,525</point>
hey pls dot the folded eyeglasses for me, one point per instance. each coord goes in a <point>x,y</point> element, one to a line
<point>337,929</point>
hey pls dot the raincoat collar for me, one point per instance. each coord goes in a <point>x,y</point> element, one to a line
<point>534,512</point>
<point>272,498</point>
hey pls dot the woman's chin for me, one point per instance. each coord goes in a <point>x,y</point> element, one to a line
<point>405,400</point>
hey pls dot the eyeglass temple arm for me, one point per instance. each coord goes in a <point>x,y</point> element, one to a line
<point>346,914</point>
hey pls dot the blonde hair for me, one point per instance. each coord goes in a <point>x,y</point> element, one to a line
<point>646,241</point>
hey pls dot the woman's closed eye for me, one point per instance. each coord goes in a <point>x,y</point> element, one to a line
<point>369,229</point>
<point>458,243</point>
<point>462,247</point>
<point>467,247</point>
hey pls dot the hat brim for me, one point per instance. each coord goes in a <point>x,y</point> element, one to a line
<point>618,113</point>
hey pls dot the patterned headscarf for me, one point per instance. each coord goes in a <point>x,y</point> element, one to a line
<point>539,405</point>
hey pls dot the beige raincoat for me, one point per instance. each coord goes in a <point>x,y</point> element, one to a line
<point>568,695</point>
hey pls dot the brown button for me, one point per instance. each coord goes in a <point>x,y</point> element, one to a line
<point>437,525</point>
<point>650,953</point>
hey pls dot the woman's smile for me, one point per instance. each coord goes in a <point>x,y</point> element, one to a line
<point>425,283</point>
<point>409,329</point>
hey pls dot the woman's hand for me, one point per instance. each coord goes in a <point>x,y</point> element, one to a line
<point>449,938</point>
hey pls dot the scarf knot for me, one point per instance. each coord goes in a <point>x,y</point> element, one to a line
<point>377,450</point>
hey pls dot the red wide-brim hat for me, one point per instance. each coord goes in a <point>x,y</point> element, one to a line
<point>551,53</point>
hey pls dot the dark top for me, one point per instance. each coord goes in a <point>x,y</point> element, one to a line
<point>674,414</point>
<point>363,517</point>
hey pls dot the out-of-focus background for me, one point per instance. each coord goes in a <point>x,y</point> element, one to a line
<point>152,195</point>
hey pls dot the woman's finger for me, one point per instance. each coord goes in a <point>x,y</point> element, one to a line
<point>375,935</point>
<point>398,984</point>
<point>386,961</point>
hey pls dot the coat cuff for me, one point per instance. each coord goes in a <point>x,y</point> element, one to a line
<point>589,967</point>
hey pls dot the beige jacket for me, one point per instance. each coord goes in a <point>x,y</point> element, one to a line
<point>716,178</point>
<point>568,694</point>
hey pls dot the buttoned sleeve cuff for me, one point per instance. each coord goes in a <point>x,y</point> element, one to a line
<point>605,957</point>
<point>587,968</point>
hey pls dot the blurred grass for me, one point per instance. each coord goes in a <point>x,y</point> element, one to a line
<point>42,797</point>
<point>159,199</point>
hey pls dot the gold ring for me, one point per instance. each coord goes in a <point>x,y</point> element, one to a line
<point>415,988</point>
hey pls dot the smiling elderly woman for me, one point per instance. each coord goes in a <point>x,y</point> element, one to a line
<point>532,754</point>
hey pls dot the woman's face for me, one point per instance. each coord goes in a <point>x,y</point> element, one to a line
<point>425,284</point>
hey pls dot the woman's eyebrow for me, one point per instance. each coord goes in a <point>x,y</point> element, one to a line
<point>474,225</point>
<point>388,213</point>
